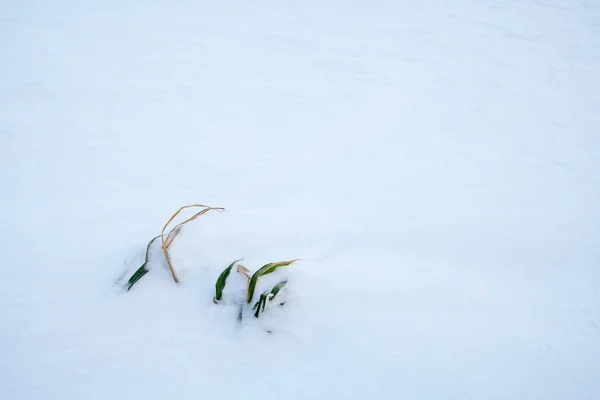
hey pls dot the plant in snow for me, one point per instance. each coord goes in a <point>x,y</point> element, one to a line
<point>246,296</point>
<point>262,302</point>
<point>167,240</point>
<point>141,271</point>
<point>269,295</point>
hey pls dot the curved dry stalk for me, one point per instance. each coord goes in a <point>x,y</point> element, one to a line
<point>166,241</point>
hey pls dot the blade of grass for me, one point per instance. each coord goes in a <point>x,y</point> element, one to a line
<point>265,270</point>
<point>276,289</point>
<point>264,297</point>
<point>222,280</point>
<point>141,271</point>
<point>262,302</point>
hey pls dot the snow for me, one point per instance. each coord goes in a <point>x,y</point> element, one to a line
<point>436,165</point>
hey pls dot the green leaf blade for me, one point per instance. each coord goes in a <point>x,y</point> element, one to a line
<point>276,289</point>
<point>265,270</point>
<point>137,275</point>
<point>260,304</point>
<point>141,271</point>
<point>222,280</point>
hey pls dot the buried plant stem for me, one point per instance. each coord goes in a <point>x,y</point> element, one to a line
<point>240,313</point>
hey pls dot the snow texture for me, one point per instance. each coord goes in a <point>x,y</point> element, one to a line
<point>436,165</point>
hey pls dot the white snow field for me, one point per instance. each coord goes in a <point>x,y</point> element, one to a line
<point>435,164</point>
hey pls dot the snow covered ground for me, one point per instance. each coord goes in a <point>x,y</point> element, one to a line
<point>435,164</point>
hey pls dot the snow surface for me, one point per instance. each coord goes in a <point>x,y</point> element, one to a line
<point>435,164</point>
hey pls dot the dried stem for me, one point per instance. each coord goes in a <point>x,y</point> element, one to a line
<point>168,240</point>
<point>243,270</point>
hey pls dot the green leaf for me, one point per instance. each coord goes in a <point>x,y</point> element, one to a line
<point>264,297</point>
<point>270,295</point>
<point>222,280</point>
<point>276,289</point>
<point>256,314</point>
<point>262,302</point>
<point>264,270</point>
<point>141,271</point>
<point>137,275</point>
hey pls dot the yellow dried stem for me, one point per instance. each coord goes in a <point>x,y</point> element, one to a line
<point>166,242</point>
<point>171,236</point>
